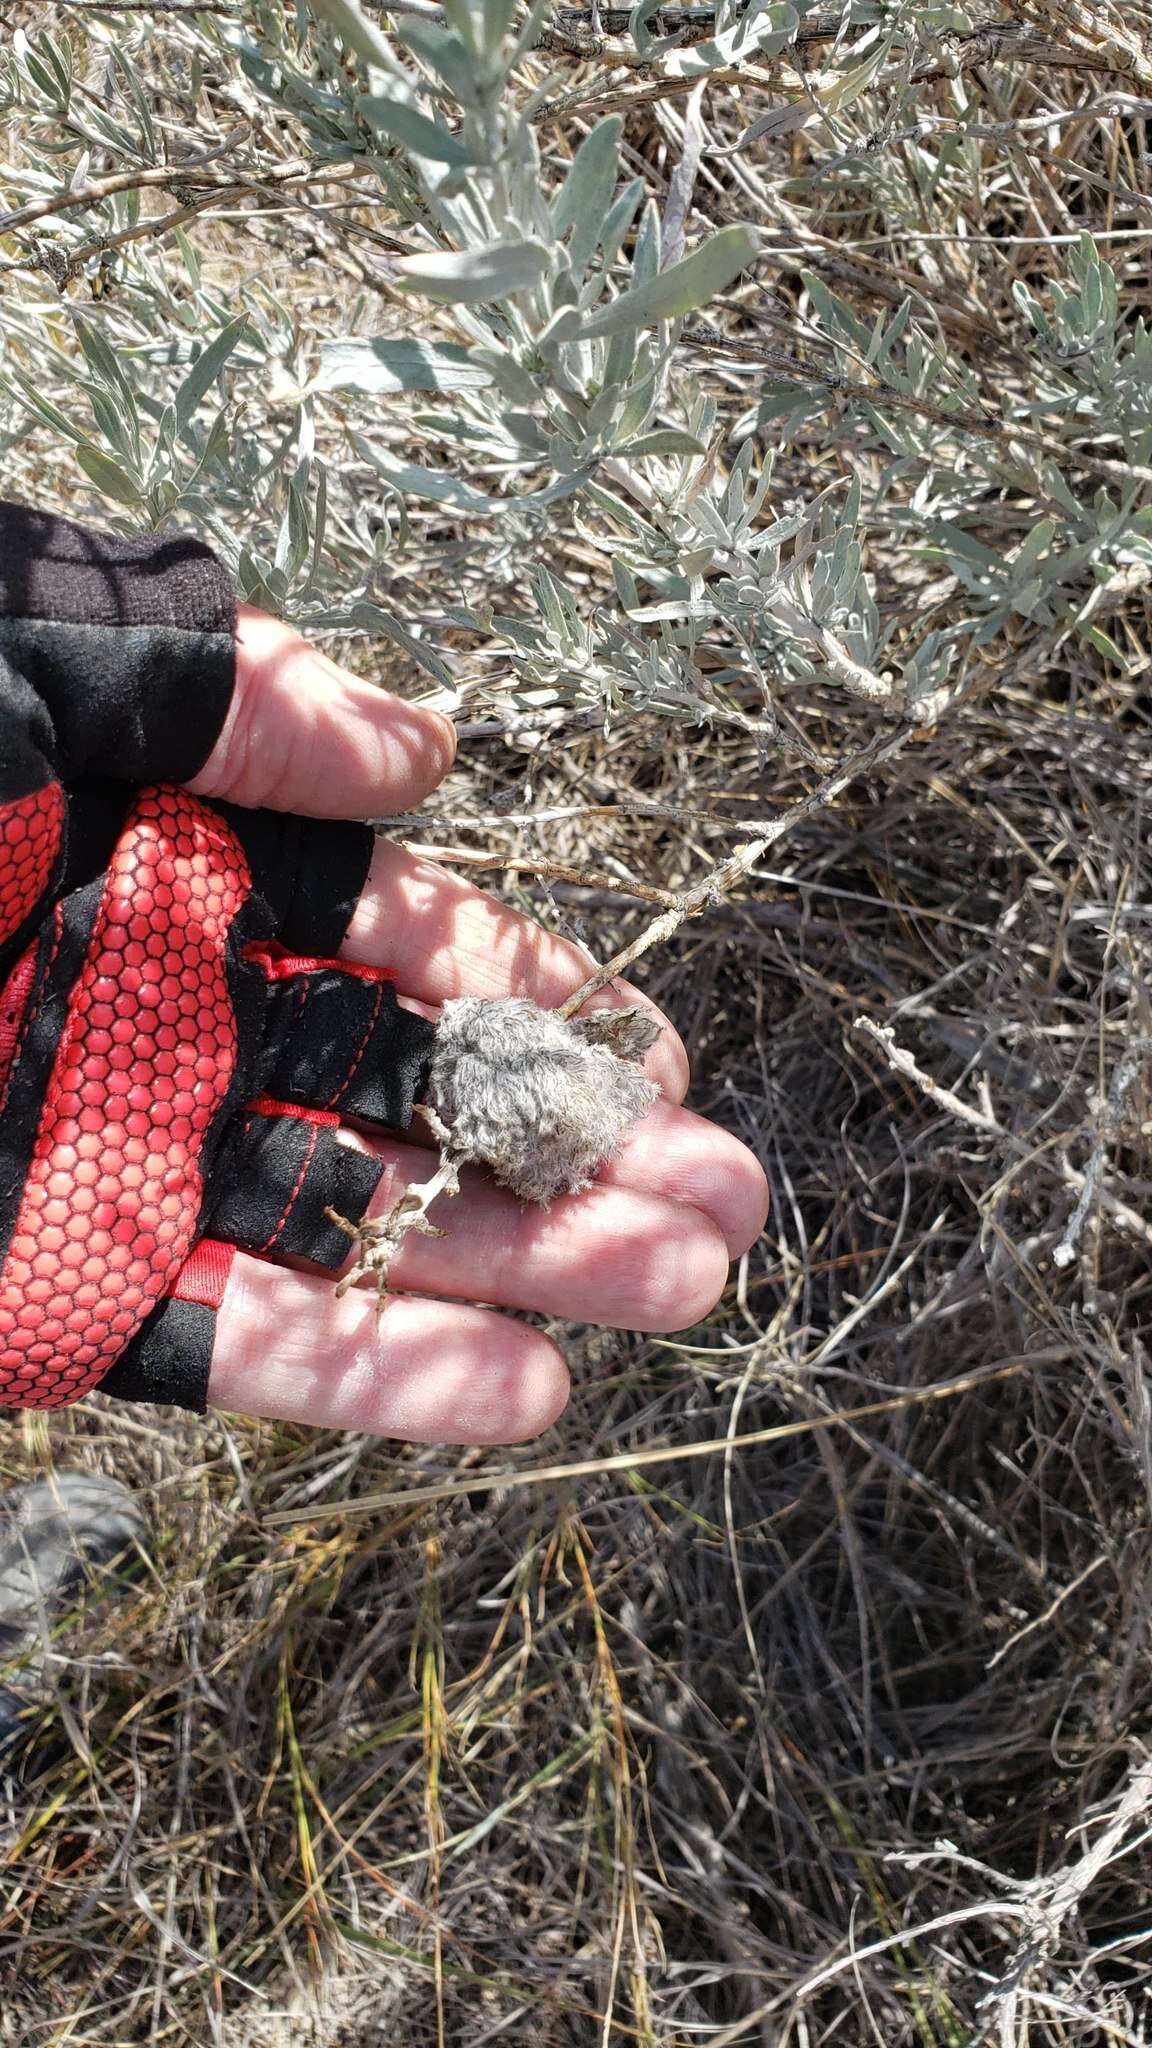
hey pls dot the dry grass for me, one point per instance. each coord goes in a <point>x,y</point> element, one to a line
<point>837,1736</point>
<point>810,1740</point>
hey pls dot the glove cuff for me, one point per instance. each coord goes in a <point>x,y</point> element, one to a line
<point>118,654</point>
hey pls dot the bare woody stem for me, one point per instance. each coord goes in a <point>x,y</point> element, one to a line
<point>190,173</point>
<point>718,882</point>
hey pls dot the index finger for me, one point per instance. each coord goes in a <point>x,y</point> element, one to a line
<point>440,937</point>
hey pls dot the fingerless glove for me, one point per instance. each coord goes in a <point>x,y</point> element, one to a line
<point>179,1044</point>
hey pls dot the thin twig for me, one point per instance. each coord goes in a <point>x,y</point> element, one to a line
<point>902,1062</point>
<point>717,883</point>
<point>961,50</point>
<point>683,182</point>
<point>231,10</point>
<point>1124,1217</point>
<point>141,180</point>
<point>881,396</point>
<point>1122,1081</point>
<point>548,870</point>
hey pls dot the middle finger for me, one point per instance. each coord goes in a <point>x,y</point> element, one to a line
<point>609,1255</point>
<point>440,937</point>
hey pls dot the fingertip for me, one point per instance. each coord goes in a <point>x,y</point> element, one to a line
<point>666,1061</point>
<point>681,1282</point>
<point>534,1392</point>
<point>675,1153</point>
<point>437,735</point>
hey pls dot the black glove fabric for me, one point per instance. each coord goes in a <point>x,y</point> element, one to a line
<point>178,1047</point>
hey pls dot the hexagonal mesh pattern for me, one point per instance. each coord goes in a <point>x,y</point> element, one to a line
<point>149,1047</point>
<point>30,829</point>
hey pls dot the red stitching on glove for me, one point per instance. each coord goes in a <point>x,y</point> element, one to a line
<point>290,1204</point>
<point>354,1068</point>
<point>280,966</point>
<point>13,1014</point>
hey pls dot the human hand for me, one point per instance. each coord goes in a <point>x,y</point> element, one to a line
<point>185,1069</point>
<point>646,1248</point>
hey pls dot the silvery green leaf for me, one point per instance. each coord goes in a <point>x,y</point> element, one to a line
<point>677,608</point>
<point>646,253</point>
<point>506,373</point>
<point>697,561</point>
<point>778,121</point>
<point>563,326</point>
<point>620,216</point>
<point>711,522</point>
<point>449,56</point>
<point>649,46</point>
<point>621,357</point>
<point>664,441</point>
<point>638,404</point>
<point>372,618</point>
<point>772,17</point>
<point>625,582</point>
<point>584,199</point>
<point>602,415</point>
<point>835,316</point>
<point>50,76</point>
<point>166,434</point>
<point>205,370</point>
<point>353,27</point>
<point>51,415</point>
<point>107,475</point>
<point>101,359</point>
<point>1035,544</point>
<point>680,289</point>
<point>559,609</point>
<point>190,259</point>
<point>495,19</point>
<point>139,99</point>
<point>444,488</point>
<point>319,523</point>
<point>884,339</point>
<point>846,88</point>
<point>479,276</point>
<point>114,425</point>
<point>772,30</point>
<point>525,431</point>
<point>622,513</point>
<point>465,19</point>
<point>738,484</point>
<point>294,537</point>
<point>403,124</point>
<point>386,363</point>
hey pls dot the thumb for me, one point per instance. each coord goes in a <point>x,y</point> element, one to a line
<point>303,735</point>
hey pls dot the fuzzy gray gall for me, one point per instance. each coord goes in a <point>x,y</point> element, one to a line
<point>540,1099</point>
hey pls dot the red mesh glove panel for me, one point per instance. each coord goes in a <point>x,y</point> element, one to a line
<point>30,833</point>
<point>146,1055</point>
